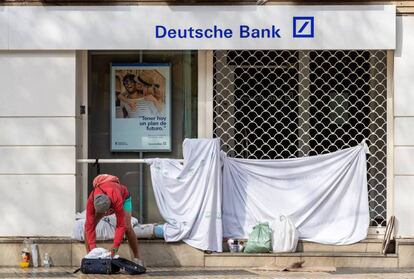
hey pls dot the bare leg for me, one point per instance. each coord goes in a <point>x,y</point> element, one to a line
<point>131,236</point>
<point>86,242</point>
<point>98,218</point>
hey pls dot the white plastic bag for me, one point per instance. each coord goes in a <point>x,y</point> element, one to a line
<point>145,231</point>
<point>98,253</point>
<point>285,235</point>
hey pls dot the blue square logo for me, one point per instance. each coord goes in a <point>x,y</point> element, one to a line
<point>303,27</point>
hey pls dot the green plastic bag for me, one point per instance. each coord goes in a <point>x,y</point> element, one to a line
<point>260,239</point>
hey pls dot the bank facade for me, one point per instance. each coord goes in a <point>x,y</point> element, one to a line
<point>279,81</point>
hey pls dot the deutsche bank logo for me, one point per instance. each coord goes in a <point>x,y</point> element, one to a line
<point>303,27</point>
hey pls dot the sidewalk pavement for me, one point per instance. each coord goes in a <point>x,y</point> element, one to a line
<point>207,273</point>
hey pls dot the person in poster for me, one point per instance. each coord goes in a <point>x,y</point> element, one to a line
<point>141,97</point>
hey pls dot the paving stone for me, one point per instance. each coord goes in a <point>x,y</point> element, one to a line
<point>207,273</point>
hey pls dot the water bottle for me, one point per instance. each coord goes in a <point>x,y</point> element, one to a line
<point>46,261</point>
<point>35,255</point>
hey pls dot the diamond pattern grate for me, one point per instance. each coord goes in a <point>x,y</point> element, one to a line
<point>285,104</point>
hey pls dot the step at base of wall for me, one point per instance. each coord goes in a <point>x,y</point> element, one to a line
<point>336,259</point>
<point>157,253</point>
<point>364,246</point>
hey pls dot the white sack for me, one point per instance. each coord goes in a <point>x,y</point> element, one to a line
<point>285,236</point>
<point>145,231</point>
<point>326,196</point>
<point>189,195</point>
<point>105,230</point>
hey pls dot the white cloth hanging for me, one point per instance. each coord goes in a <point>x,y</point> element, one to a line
<point>326,196</point>
<point>188,195</point>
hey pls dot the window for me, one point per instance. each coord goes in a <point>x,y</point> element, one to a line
<point>183,117</point>
<point>286,104</point>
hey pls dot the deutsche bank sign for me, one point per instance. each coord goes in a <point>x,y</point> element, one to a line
<point>244,32</point>
<point>200,27</point>
<point>279,27</point>
<point>303,27</point>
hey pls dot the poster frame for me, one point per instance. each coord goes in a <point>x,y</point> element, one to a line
<point>167,104</point>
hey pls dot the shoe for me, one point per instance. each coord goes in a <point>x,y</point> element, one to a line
<point>138,262</point>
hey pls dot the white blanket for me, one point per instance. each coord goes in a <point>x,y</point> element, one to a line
<point>105,230</point>
<point>189,195</point>
<point>325,196</point>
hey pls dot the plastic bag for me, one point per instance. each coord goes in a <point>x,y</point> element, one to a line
<point>285,235</point>
<point>260,239</point>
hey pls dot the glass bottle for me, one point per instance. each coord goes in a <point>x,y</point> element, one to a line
<point>46,261</point>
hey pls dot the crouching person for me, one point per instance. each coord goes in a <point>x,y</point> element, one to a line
<point>109,196</point>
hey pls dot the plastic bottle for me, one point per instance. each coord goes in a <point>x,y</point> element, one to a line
<point>35,255</point>
<point>25,261</point>
<point>46,261</point>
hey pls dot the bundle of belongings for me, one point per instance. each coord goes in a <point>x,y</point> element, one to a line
<point>105,230</point>
<point>281,236</point>
<point>99,261</point>
<point>210,196</point>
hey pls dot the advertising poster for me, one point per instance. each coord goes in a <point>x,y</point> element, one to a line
<point>140,107</point>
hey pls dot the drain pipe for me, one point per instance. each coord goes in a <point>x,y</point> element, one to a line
<point>141,190</point>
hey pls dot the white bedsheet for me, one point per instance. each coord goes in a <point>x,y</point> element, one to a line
<point>189,195</point>
<point>326,196</point>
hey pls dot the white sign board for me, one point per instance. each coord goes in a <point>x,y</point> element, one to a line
<point>199,27</point>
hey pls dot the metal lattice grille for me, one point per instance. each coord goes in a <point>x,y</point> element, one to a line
<point>286,104</point>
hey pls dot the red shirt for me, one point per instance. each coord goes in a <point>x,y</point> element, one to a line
<point>117,193</point>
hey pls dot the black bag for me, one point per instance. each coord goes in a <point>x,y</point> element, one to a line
<point>129,266</point>
<point>110,266</point>
<point>98,266</point>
